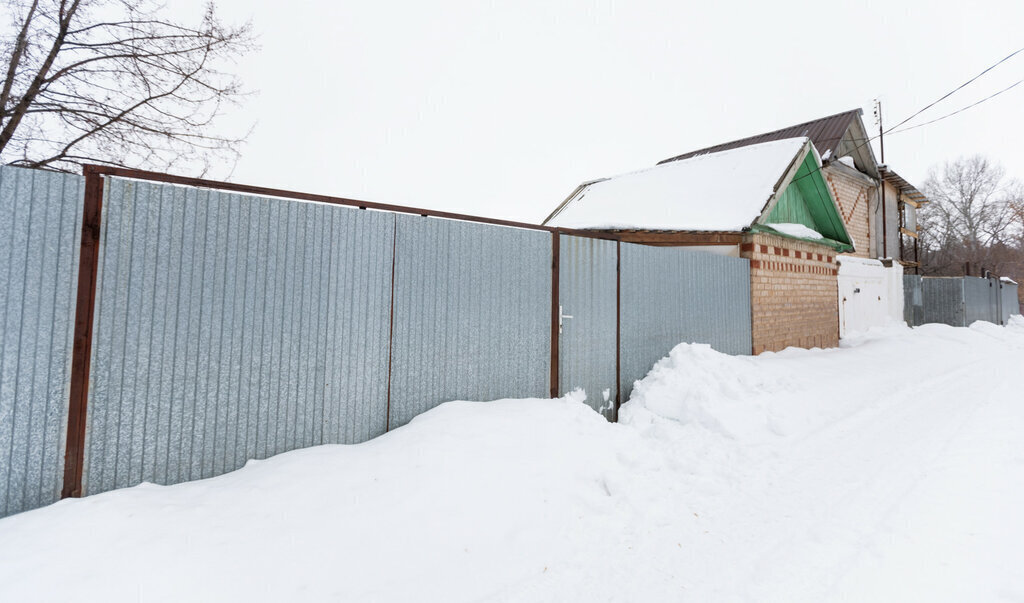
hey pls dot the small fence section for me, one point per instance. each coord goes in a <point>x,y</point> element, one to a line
<point>959,300</point>
<point>1009,302</point>
<point>39,241</point>
<point>913,300</point>
<point>472,318</point>
<point>231,327</point>
<point>670,295</point>
<point>164,329</point>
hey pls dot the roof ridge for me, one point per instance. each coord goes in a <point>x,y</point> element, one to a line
<point>748,140</point>
<point>699,156</point>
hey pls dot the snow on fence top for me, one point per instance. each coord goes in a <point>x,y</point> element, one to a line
<point>718,191</point>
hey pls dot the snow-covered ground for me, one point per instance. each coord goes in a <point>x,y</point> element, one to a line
<point>891,469</point>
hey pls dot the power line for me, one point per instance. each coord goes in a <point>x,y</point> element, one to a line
<point>951,92</point>
<point>933,103</point>
<point>1010,87</point>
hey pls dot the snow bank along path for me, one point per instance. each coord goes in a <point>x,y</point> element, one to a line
<point>806,475</point>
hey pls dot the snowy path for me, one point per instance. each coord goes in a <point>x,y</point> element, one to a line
<point>919,448</point>
<point>889,470</point>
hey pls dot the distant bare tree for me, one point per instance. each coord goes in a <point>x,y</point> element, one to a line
<point>116,82</point>
<point>1012,261</point>
<point>970,217</point>
<point>1015,204</point>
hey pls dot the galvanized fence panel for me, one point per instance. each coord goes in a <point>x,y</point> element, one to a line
<point>913,300</point>
<point>1009,304</point>
<point>587,291</point>
<point>40,234</point>
<point>359,325</point>
<point>980,300</point>
<point>217,315</point>
<point>943,300</point>
<point>472,311</point>
<point>671,295</point>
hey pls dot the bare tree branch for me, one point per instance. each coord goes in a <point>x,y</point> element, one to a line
<point>973,218</point>
<point>113,81</point>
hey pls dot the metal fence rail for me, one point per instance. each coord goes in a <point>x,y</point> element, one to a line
<point>39,241</point>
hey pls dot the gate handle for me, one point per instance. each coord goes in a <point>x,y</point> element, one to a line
<point>560,317</point>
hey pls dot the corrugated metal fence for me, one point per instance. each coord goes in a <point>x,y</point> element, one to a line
<point>913,300</point>
<point>588,315</point>
<point>214,327</point>
<point>959,300</point>
<point>672,295</point>
<point>232,327</point>
<point>39,240</point>
<point>471,316</point>
<point>1009,303</point>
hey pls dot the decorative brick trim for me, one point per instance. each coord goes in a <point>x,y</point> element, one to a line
<point>793,290</point>
<point>847,215</point>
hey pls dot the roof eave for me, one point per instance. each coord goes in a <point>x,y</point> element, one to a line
<point>572,196</point>
<point>784,180</point>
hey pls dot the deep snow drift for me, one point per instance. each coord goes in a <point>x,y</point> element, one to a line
<point>890,469</point>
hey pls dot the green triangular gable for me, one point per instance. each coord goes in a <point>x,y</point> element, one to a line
<point>806,201</point>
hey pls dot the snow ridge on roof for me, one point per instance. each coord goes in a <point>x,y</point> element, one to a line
<point>724,191</point>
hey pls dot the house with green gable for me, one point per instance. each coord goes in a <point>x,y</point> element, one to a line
<point>768,202</point>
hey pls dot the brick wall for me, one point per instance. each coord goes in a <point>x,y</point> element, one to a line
<point>793,293</point>
<point>854,197</point>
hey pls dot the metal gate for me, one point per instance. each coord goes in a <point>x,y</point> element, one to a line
<point>588,303</point>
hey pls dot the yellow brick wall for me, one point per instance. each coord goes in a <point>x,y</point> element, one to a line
<point>854,197</point>
<point>793,293</point>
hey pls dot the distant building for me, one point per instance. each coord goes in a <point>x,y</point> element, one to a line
<point>790,201</point>
<point>857,182</point>
<point>767,202</point>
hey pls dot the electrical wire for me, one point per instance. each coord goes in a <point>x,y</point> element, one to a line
<point>951,92</point>
<point>1010,87</point>
<point>943,97</point>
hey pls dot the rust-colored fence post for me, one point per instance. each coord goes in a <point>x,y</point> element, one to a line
<point>391,321</point>
<point>618,327</point>
<point>81,351</point>
<point>556,312</point>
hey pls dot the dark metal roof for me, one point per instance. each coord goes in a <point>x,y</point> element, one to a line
<point>825,133</point>
<point>905,188</point>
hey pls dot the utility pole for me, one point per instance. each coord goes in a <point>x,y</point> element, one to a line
<point>881,184</point>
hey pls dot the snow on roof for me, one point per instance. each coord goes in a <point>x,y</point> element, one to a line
<point>796,230</point>
<point>718,191</point>
<point>850,259</point>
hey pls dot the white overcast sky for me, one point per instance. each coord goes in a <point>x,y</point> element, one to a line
<point>501,109</point>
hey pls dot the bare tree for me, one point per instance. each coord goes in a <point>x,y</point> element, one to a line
<point>118,83</point>
<point>969,218</point>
